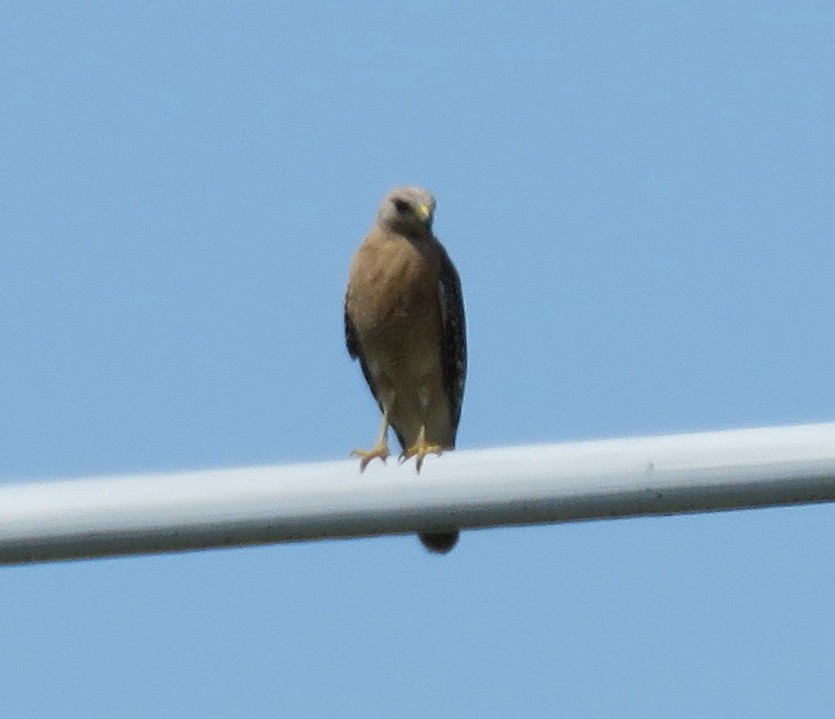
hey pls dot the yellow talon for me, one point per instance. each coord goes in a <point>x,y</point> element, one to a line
<point>420,449</point>
<point>381,451</point>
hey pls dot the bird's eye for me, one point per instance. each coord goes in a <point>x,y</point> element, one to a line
<point>401,206</point>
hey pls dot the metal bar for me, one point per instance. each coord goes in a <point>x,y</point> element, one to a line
<point>143,513</point>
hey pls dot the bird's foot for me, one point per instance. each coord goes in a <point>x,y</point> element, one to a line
<point>381,451</point>
<point>419,450</point>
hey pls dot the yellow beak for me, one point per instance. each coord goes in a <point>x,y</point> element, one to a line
<point>423,212</point>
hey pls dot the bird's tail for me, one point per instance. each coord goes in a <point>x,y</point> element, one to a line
<point>440,542</point>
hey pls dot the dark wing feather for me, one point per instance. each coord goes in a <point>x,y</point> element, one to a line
<point>351,340</point>
<point>355,351</point>
<point>454,337</point>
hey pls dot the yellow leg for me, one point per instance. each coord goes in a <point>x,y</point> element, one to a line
<point>420,449</point>
<point>380,450</point>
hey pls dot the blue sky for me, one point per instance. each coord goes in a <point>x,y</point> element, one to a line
<point>638,197</point>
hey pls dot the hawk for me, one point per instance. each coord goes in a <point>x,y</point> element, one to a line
<point>404,321</point>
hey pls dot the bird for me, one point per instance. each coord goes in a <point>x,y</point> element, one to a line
<point>404,322</point>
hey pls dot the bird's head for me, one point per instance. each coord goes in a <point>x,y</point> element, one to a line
<point>408,210</point>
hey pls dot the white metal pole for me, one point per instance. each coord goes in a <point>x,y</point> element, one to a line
<point>704,471</point>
